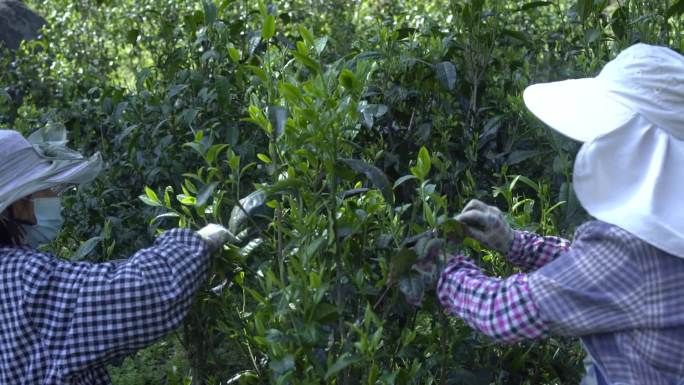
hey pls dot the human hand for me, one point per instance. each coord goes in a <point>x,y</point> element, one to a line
<point>216,236</point>
<point>487,225</point>
<point>429,274</point>
<point>421,277</point>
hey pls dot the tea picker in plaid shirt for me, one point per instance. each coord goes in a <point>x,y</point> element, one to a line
<point>61,322</point>
<point>620,284</point>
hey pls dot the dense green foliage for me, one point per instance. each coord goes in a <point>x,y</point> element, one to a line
<point>335,139</point>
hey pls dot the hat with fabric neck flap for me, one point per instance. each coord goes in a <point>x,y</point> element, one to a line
<point>39,163</point>
<point>631,119</point>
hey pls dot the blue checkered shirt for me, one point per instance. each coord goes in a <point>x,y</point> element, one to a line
<point>61,322</point>
<point>624,298</point>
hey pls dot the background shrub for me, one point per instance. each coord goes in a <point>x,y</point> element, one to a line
<point>335,139</point>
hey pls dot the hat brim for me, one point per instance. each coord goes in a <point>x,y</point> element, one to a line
<point>580,109</point>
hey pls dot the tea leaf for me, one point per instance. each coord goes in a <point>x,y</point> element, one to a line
<point>234,54</point>
<point>150,198</point>
<point>306,35</point>
<point>307,61</point>
<point>264,158</point>
<point>259,72</point>
<point>268,28</point>
<point>342,362</point>
<point>375,175</point>
<point>242,211</point>
<point>253,42</point>
<point>453,230</point>
<point>446,74</point>
<point>423,164</point>
<point>348,80</point>
<point>320,43</point>
<point>291,93</point>
<point>205,193</point>
<point>403,179</point>
<point>86,248</point>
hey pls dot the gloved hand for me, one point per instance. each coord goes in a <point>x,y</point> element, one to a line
<point>487,225</point>
<point>216,236</point>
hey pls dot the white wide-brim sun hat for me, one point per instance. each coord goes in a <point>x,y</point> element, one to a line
<point>39,163</point>
<point>630,169</point>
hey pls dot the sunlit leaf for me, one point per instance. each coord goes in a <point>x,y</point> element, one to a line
<point>291,93</point>
<point>164,216</point>
<point>268,28</point>
<point>264,158</point>
<point>234,54</point>
<point>348,80</point>
<point>371,111</point>
<point>213,152</point>
<point>252,245</point>
<point>242,211</point>
<point>320,43</point>
<point>306,35</point>
<point>253,41</point>
<point>150,198</point>
<point>423,165</point>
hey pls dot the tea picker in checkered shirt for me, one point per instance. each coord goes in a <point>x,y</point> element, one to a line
<point>619,285</point>
<point>60,321</point>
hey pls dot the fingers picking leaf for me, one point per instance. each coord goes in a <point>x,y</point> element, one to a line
<point>453,230</point>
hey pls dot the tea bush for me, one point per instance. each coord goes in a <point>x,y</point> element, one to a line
<point>335,140</point>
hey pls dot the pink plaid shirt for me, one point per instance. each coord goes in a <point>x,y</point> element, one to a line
<point>500,308</point>
<point>620,295</point>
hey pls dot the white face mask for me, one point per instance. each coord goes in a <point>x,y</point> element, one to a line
<point>48,212</point>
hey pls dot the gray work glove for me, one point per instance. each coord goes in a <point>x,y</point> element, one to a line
<point>487,225</point>
<point>216,236</point>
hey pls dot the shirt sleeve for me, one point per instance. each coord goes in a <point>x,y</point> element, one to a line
<point>500,308</point>
<point>88,314</point>
<point>597,286</point>
<point>530,251</point>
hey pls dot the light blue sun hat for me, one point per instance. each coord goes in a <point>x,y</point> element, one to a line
<point>41,162</point>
